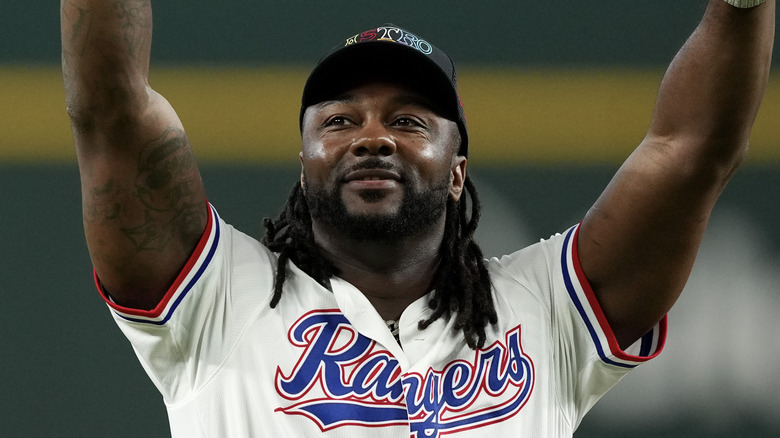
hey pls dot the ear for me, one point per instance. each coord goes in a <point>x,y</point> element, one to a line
<point>457,177</point>
<point>303,180</point>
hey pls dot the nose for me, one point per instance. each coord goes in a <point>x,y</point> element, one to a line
<point>374,139</point>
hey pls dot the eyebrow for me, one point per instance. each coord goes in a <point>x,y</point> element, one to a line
<point>412,99</point>
<point>342,98</point>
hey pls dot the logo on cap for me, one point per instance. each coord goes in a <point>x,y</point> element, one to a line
<point>394,34</point>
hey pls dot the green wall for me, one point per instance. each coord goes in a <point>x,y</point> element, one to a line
<point>502,32</point>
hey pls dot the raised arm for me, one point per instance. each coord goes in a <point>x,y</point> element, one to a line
<point>638,243</point>
<point>144,204</point>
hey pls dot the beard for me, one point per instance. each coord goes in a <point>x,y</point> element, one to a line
<point>420,210</point>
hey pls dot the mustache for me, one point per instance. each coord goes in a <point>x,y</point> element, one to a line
<point>376,163</point>
<point>372,163</point>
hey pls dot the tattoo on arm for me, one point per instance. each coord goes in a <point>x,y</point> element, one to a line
<point>166,167</point>
<point>164,204</point>
<point>154,234</point>
<point>73,36</point>
<point>80,19</point>
<point>135,17</point>
<point>102,204</point>
<point>102,43</point>
<point>167,186</point>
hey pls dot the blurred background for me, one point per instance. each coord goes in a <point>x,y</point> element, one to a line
<point>556,94</point>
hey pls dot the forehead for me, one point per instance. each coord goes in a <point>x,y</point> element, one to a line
<point>384,92</point>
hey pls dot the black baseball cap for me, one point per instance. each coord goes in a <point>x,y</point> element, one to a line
<point>389,53</point>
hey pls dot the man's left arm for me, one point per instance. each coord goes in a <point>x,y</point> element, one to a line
<point>637,244</point>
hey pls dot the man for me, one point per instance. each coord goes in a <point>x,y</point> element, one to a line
<point>369,310</point>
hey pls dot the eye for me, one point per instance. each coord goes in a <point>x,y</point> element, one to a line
<point>336,121</point>
<point>407,122</point>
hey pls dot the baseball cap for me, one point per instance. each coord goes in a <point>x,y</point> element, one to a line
<point>389,53</point>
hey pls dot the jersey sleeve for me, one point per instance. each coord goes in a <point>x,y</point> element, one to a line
<point>184,340</point>
<point>198,262</point>
<point>588,309</point>
<point>587,358</point>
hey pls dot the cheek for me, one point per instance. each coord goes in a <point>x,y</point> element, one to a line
<point>434,161</point>
<point>328,147</point>
<point>315,171</point>
<point>312,147</point>
<point>318,165</point>
<point>430,154</point>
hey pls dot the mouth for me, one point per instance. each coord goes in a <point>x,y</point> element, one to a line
<point>372,175</point>
<point>372,179</point>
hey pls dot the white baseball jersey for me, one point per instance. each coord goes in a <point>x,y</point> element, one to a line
<point>325,363</point>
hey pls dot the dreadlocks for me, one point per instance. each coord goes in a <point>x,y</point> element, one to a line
<point>461,284</point>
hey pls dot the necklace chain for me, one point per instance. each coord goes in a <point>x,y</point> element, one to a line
<point>392,324</point>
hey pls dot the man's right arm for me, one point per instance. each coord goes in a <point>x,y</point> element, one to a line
<point>144,205</point>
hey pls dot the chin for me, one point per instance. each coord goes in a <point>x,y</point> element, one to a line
<point>372,202</point>
<point>373,210</point>
<point>377,215</point>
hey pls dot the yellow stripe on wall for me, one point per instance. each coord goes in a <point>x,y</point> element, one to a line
<point>33,124</point>
<point>251,115</point>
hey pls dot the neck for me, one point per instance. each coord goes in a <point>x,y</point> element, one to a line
<point>391,274</point>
